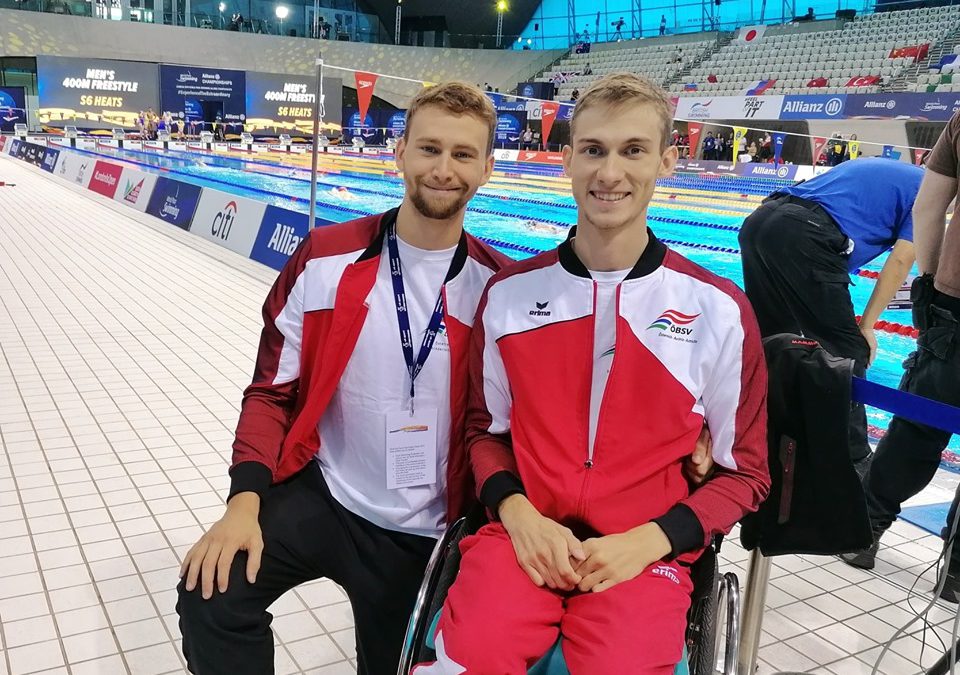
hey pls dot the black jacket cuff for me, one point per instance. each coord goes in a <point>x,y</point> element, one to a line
<point>250,477</point>
<point>498,487</point>
<point>682,528</point>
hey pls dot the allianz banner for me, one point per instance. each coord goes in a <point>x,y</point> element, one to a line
<point>281,232</point>
<point>94,93</point>
<point>813,107</point>
<point>284,104</point>
<point>934,107</point>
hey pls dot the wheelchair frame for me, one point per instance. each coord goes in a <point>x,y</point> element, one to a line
<point>703,633</point>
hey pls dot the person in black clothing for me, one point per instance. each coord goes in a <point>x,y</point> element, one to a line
<point>663,24</point>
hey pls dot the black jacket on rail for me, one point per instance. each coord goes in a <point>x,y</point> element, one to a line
<point>816,503</point>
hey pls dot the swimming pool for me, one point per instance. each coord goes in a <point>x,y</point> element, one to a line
<point>697,216</point>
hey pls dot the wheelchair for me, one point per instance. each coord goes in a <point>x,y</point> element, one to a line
<point>712,592</point>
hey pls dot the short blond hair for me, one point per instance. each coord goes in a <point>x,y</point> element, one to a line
<point>459,98</point>
<point>619,89</point>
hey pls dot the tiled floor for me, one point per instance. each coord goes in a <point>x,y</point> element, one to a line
<point>124,347</point>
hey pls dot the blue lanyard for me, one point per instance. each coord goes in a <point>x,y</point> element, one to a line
<point>403,318</point>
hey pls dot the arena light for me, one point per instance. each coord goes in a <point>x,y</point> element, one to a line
<point>502,5</point>
<point>282,13</point>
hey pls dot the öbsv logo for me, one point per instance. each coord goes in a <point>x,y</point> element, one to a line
<point>674,324</point>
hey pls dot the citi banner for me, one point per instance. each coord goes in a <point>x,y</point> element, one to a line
<point>204,94</point>
<point>281,232</point>
<point>94,93</point>
<point>135,188</point>
<point>174,201</point>
<point>105,178</point>
<point>13,107</point>
<point>284,104</point>
<point>228,220</point>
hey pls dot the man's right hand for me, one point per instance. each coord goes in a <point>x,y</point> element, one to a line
<point>211,557</point>
<point>543,547</point>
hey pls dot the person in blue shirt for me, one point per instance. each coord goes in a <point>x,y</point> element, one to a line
<point>801,245</point>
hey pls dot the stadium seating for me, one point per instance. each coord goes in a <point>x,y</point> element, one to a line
<point>791,54</point>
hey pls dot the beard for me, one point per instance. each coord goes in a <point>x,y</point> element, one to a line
<point>437,209</point>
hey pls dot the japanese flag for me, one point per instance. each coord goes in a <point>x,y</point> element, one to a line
<point>750,35</point>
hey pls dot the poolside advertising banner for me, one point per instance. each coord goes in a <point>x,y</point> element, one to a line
<point>935,107</point>
<point>105,178</point>
<point>228,220</point>
<point>813,107</point>
<point>284,104</point>
<point>135,188</point>
<point>13,107</point>
<point>748,169</point>
<point>729,108</point>
<point>74,168</point>
<point>174,201</point>
<point>204,94</point>
<point>50,158</point>
<point>281,232</point>
<point>94,93</point>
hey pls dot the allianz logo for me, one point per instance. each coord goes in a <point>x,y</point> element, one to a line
<point>284,239</point>
<point>831,107</point>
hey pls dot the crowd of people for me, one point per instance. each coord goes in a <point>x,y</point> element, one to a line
<point>151,126</point>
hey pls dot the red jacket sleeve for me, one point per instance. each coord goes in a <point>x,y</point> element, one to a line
<point>488,415</point>
<point>269,402</point>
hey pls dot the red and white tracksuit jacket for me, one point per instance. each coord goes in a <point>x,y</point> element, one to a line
<point>687,350</point>
<point>312,318</point>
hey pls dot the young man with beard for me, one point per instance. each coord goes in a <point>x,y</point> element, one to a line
<point>593,370</point>
<point>348,460</point>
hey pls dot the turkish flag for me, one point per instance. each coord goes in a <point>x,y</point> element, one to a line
<point>693,131</point>
<point>864,81</point>
<point>817,82</point>
<point>548,114</point>
<point>365,83</point>
<point>712,79</point>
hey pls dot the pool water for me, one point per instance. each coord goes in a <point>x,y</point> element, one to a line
<point>694,214</point>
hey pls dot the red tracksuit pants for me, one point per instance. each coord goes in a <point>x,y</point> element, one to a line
<point>496,621</point>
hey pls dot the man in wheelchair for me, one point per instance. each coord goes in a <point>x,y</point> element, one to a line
<point>593,370</point>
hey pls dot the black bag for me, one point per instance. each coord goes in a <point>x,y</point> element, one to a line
<point>816,503</point>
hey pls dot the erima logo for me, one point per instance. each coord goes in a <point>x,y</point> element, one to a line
<point>673,321</point>
<point>666,571</point>
<point>223,221</point>
<point>284,239</point>
<point>541,309</point>
<point>131,192</point>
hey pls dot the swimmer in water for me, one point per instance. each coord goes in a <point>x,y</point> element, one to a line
<point>342,193</point>
<point>543,228</point>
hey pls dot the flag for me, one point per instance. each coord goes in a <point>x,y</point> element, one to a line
<point>888,151</point>
<point>950,63</point>
<point>778,138</point>
<point>690,86</point>
<point>582,48</point>
<point>759,87</point>
<point>853,147</point>
<point>738,134</point>
<point>365,83</point>
<point>693,131</point>
<point>918,154</point>
<point>916,52</point>
<point>864,81</point>
<point>548,114</point>
<point>750,35</point>
<point>818,82</point>
<point>819,143</point>
<point>712,79</point>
